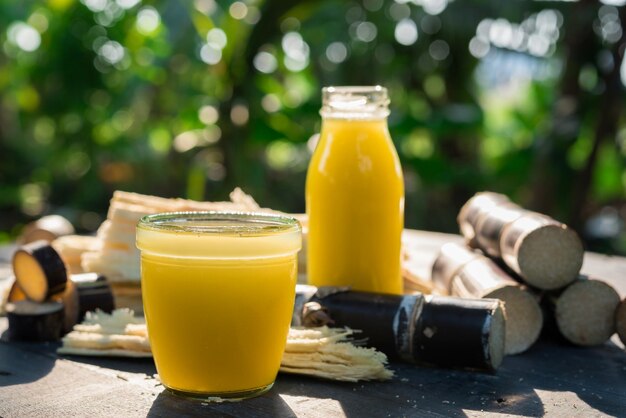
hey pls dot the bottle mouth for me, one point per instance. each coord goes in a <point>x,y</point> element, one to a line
<point>355,102</point>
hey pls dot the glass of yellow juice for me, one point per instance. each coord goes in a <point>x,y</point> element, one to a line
<point>218,292</point>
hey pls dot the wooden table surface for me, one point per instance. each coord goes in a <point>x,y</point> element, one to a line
<point>552,378</point>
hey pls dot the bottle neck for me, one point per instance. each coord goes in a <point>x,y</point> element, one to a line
<point>355,103</point>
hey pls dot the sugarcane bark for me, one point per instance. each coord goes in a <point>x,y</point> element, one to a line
<point>476,207</point>
<point>451,258</point>
<point>490,226</point>
<point>443,331</point>
<point>30,321</point>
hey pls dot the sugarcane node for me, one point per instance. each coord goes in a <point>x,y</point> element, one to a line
<point>315,315</point>
<point>450,259</point>
<point>32,321</point>
<point>620,321</point>
<point>544,252</point>
<point>473,210</point>
<point>39,270</point>
<point>490,225</point>
<point>585,311</point>
<point>482,278</point>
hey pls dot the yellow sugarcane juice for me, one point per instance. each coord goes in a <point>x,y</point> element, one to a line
<point>218,293</point>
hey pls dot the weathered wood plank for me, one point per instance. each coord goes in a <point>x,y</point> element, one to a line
<point>551,379</point>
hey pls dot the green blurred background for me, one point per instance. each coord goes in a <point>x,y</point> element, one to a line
<point>192,98</point>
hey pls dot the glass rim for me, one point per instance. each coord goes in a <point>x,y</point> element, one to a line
<point>241,223</point>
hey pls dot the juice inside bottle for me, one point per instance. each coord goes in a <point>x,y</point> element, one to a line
<point>355,195</point>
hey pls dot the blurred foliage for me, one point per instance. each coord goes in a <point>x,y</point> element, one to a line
<point>193,98</point>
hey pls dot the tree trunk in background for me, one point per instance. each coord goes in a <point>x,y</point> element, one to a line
<point>551,171</point>
<point>606,125</point>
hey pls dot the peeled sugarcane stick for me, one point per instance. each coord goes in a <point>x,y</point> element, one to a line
<point>425,329</point>
<point>545,253</point>
<point>620,321</point>
<point>474,209</point>
<point>585,311</point>
<point>468,274</point>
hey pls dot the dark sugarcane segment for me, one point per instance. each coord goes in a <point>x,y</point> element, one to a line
<point>620,321</point>
<point>489,227</point>
<point>31,321</point>
<point>94,292</point>
<point>474,209</point>
<point>448,333</point>
<point>39,270</point>
<point>585,311</point>
<point>440,331</point>
<point>543,252</point>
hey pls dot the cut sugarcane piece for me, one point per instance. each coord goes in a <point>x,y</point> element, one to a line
<point>84,293</point>
<point>94,293</point>
<point>620,321</point>
<point>31,321</point>
<point>585,311</point>
<point>15,293</point>
<point>47,228</point>
<point>471,212</point>
<point>451,258</point>
<point>435,330</point>
<point>489,227</point>
<point>39,270</point>
<point>480,277</point>
<point>545,253</point>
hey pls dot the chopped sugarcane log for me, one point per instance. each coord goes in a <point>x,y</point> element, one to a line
<point>85,292</point>
<point>620,321</point>
<point>450,259</point>
<point>39,270</point>
<point>435,330</point>
<point>474,209</point>
<point>545,253</point>
<point>31,321</point>
<point>585,311</point>
<point>489,227</point>
<point>479,277</point>
<point>47,228</point>
<point>94,292</point>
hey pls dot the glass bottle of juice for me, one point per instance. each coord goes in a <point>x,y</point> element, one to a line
<point>355,194</point>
